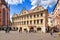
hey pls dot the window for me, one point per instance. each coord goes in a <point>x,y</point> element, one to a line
<point>24,12</point>
<point>27,17</point>
<point>37,15</point>
<point>27,22</point>
<point>58,9</point>
<point>30,16</point>
<point>37,21</point>
<point>22,18</point>
<point>51,21</point>
<point>58,14</point>
<point>41,21</point>
<point>37,8</point>
<point>24,22</point>
<point>38,29</point>
<point>41,14</point>
<point>34,16</point>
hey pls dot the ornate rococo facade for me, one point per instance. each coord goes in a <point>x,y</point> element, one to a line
<point>37,17</point>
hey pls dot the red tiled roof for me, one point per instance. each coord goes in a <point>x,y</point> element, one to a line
<point>30,11</point>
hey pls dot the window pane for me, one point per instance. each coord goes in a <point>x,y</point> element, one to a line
<point>37,21</point>
<point>30,16</point>
<point>41,21</point>
<point>34,16</point>
<point>37,15</point>
<point>41,14</point>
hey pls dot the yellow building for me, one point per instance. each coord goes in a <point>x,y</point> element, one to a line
<point>36,17</point>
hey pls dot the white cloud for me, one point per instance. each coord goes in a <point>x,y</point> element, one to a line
<point>14,1</point>
<point>43,3</point>
<point>33,7</point>
<point>11,18</point>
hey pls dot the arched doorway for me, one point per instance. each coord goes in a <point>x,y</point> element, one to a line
<point>39,29</point>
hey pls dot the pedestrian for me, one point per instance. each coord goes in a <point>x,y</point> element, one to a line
<point>26,30</point>
<point>7,30</point>
<point>20,30</point>
<point>35,29</point>
<point>51,33</point>
<point>59,33</point>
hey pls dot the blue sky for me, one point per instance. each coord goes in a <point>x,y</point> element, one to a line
<point>17,5</point>
<point>17,8</point>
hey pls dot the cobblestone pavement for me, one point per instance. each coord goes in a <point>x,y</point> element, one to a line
<point>15,35</point>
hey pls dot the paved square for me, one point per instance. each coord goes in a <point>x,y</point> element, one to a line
<point>15,35</point>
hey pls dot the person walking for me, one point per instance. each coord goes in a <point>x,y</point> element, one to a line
<point>20,30</point>
<point>51,33</point>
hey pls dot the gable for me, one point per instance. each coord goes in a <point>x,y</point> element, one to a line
<point>38,8</point>
<point>24,12</point>
<point>15,15</point>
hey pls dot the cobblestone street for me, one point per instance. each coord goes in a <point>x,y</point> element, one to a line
<point>15,35</point>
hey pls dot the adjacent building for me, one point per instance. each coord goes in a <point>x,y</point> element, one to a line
<point>56,15</point>
<point>4,13</point>
<point>50,20</point>
<point>37,17</point>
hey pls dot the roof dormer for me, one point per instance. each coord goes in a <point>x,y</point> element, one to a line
<point>38,8</point>
<point>23,12</point>
<point>15,15</point>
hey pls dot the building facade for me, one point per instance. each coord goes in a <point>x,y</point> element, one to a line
<point>56,15</point>
<point>36,17</point>
<point>4,13</point>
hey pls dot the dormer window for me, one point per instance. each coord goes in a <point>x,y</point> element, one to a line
<point>58,9</point>
<point>37,8</point>
<point>24,12</point>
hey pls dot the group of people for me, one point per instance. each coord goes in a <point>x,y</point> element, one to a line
<point>7,30</point>
<point>30,30</point>
<point>52,32</point>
